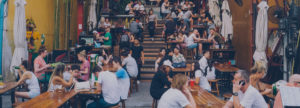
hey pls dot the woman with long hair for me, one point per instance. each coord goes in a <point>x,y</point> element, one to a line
<point>258,72</point>
<point>31,81</point>
<point>57,81</point>
<point>161,55</point>
<point>161,81</point>
<point>152,23</point>
<point>200,77</point>
<point>179,95</point>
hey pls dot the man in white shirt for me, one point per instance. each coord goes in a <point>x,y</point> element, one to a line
<point>244,95</point>
<point>139,7</point>
<point>190,41</point>
<point>108,85</point>
<point>130,63</point>
<point>203,61</point>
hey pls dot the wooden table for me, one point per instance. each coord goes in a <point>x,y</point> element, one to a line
<point>203,98</point>
<point>48,100</point>
<point>187,70</point>
<point>10,87</point>
<point>225,68</point>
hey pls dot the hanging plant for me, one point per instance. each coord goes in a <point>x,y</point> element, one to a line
<point>30,25</point>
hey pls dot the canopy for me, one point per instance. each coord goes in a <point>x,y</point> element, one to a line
<point>261,33</point>
<point>227,21</point>
<point>214,11</point>
<point>92,21</point>
<point>20,52</point>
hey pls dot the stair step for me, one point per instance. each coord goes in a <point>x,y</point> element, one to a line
<point>154,42</point>
<point>151,58</point>
<point>148,66</point>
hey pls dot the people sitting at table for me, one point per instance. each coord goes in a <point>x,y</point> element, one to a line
<point>107,38</point>
<point>109,88</point>
<point>178,59</point>
<point>137,52</point>
<point>258,71</point>
<point>57,81</point>
<point>294,81</point>
<point>97,36</point>
<point>204,60</point>
<point>139,9</point>
<point>188,17</point>
<point>130,64</point>
<point>165,9</point>
<point>179,95</point>
<point>161,55</point>
<point>84,67</point>
<point>244,94</point>
<point>103,57</point>
<point>201,77</point>
<point>161,81</point>
<point>30,80</point>
<point>215,37</point>
<point>123,78</point>
<point>40,65</point>
<point>191,39</point>
<point>107,24</point>
<point>75,69</point>
<point>129,8</point>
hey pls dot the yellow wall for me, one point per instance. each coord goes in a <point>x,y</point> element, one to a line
<point>42,12</point>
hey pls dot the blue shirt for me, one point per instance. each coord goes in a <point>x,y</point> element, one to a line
<point>122,74</point>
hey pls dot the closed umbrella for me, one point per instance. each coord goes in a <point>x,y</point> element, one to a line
<point>261,33</point>
<point>227,20</point>
<point>20,42</point>
<point>214,11</point>
<point>92,15</point>
<point>6,51</point>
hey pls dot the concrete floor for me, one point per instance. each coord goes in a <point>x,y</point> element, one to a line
<point>140,99</point>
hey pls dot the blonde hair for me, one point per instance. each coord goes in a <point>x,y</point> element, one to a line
<point>179,80</point>
<point>82,53</point>
<point>259,67</point>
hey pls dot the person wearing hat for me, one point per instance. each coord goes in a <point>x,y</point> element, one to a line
<point>161,81</point>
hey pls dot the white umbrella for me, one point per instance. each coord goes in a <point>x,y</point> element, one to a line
<point>19,35</point>
<point>92,15</point>
<point>227,21</point>
<point>6,51</point>
<point>261,33</point>
<point>214,11</point>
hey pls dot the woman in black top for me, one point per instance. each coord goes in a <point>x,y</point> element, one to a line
<point>137,52</point>
<point>160,82</point>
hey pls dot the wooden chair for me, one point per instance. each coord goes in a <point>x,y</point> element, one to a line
<point>188,53</point>
<point>227,96</point>
<point>133,82</point>
<point>154,103</point>
<point>215,82</point>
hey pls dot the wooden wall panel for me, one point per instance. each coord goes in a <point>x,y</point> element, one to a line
<point>242,38</point>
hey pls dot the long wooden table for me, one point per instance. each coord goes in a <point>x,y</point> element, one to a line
<point>203,98</point>
<point>225,68</point>
<point>48,100</point>
<point>10,87</point>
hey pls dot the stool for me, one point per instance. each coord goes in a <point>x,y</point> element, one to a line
<point>117,106</point>
<point>216,86</point>
<point>154,103</point>
<point>227,96</point>
<point>123,103</point>
<point>133,82</point>
<point>188,53</point>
